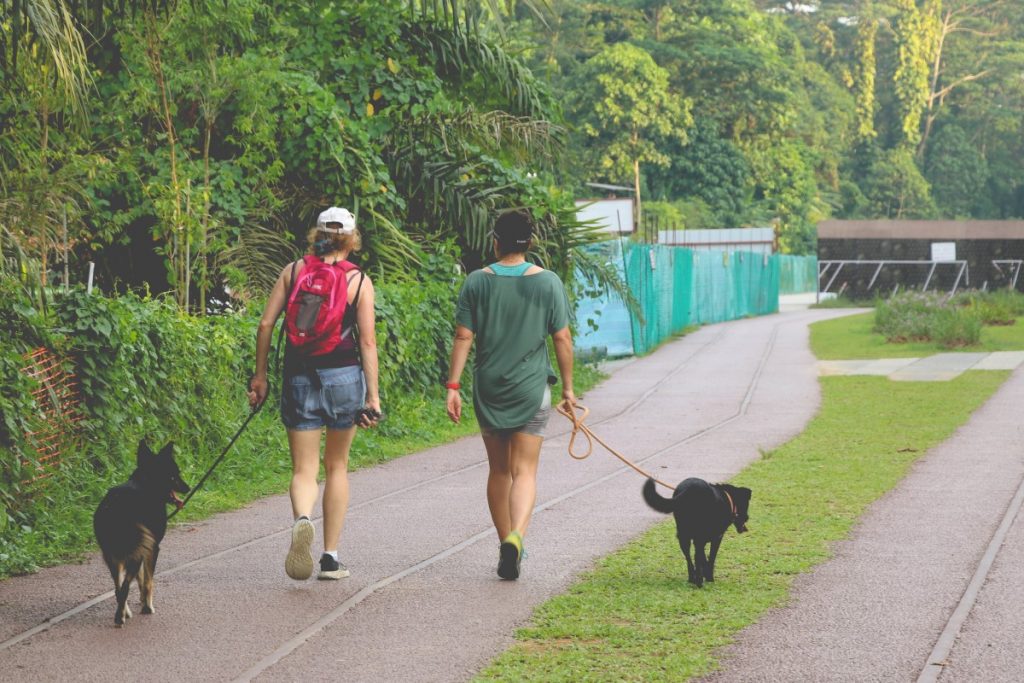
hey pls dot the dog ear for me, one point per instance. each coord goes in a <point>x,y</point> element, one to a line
<point>744,493</point>
<point>143,452</point>
<point>168,450</point>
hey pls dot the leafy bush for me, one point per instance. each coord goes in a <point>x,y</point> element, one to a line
<point>1001,307</point>
<point>955,327</point>
<point>147,370</point>
<point>927,316</point>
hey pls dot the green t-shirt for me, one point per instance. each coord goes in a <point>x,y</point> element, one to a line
<point>512,318</point>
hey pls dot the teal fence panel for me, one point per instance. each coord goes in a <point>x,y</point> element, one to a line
<point>675,288</point>
<point>797,274</point>
<point>603,322</point>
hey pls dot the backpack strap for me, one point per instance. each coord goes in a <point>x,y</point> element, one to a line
<point>290,287</point>
<point>355,303</point>
<point>354,329</point>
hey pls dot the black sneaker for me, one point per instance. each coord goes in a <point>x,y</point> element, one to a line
<point>330,568</point>
<point>509,556</point>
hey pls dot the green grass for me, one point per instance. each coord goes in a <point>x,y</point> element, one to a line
<point>635,618</point>
<point>851,337</point>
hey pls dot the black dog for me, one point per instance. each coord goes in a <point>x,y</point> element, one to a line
<point>703,512</point>
<point>130,523</point>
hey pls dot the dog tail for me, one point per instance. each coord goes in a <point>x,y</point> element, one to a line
<point>655,499</point>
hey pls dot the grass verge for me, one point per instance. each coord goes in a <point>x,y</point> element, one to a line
<point>635,618</point>
<point>853,337</point>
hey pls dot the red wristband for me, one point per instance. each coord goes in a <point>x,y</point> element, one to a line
<point>453,385</point>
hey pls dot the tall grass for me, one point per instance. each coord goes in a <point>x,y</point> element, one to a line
<point>928,316</point>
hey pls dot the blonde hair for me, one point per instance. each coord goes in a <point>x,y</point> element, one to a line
<point>321,242</point>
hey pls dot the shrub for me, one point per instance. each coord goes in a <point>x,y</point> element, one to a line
<point>147,370</point>
<point>955,327</point>
<point>927,316</point>
<point>994,308</point>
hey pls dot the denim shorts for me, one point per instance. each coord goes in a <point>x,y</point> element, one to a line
<point>535,426</point>
<point>330,397</point>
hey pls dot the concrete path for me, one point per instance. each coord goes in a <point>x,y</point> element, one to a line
<point>941,367</point>
<point>930,584</point>
<point>423,603</point>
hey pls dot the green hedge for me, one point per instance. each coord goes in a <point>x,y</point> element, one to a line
<point>148,370</point>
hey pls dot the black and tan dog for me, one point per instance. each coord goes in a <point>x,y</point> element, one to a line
<point>703,512</point>
<point>130,523</point>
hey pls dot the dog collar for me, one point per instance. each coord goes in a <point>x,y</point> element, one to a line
<point>732,505</point>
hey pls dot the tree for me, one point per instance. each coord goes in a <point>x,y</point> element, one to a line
<point>624,107</point>
<point>864,73</point>
<point>917,37</point>
<point>896,189</point>
<point>968,34</point>
<point>958,174</point>
<point>708,167</point>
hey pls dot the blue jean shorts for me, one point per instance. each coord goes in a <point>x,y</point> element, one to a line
<point>330,397</point>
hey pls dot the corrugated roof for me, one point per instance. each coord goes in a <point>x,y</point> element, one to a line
<point>921,230</point>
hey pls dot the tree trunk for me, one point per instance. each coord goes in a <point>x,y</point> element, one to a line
<point>637,222</point>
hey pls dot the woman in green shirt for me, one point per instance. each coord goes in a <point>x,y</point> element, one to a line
<point>509,309</point>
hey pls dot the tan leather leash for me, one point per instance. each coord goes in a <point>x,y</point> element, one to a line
<point>579,428</point>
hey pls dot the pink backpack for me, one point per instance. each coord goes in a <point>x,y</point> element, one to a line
<point>316,306</point>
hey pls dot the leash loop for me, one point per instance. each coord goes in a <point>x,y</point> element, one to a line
<point>577,414</point>
<point>578,428</point>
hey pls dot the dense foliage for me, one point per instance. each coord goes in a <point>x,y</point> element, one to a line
<point>148,370</point>
<point>800,110</point>
<point>206,136</point>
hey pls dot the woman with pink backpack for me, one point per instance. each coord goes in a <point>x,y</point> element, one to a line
<point>329,379</point>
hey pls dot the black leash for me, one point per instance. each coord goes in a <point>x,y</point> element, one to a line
<point>255,411</point>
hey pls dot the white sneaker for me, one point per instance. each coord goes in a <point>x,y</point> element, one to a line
<point>299,562</point>
<point>331,568</point>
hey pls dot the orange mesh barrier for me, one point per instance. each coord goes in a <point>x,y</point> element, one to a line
<point>54,433</point>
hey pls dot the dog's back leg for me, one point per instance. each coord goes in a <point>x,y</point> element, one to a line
<point>146,582</point>
<point>709,575</point>
<point>684,545</point>
<point>131,570</point>
<point>116,570</point>
<point>701,560</point>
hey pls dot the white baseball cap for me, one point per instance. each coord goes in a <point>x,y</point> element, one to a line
<point>338,215</point>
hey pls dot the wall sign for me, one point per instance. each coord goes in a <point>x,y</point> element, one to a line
<point>943,251</point>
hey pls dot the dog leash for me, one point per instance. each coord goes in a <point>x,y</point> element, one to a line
<point>578,427</point>
<point>252,413</point>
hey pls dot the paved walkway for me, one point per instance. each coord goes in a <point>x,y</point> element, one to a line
<point>890,605</point>
<point>941,367</point>
<point>420,605</point>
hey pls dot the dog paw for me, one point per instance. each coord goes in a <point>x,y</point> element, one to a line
<point>148,609</point>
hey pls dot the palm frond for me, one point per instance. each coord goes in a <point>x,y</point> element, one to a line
<point>260,254</point>
<point>396,254</point>
<point>461,56</point>
<point>51,23</point>
<point>521,139</point>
